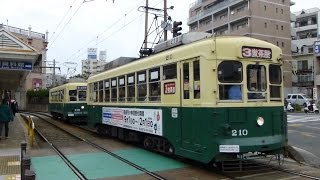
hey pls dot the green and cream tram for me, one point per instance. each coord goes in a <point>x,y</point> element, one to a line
<point>198,96</point>
<point>69,102</point>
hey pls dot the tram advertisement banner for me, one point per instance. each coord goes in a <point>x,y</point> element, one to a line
<point>143,120</point>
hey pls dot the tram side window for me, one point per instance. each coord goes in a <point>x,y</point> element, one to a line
<point>170,71</point>
<point>131,87</point>
<point>106,90</point>
<point>230,78</point>
<point>82,95</point>
<point>95,92</point>
<point>142,86</point>
<point>114,90</point>
<point>54,96</point>
<point>256,81</point>
<point>196,78</point>
<point>186,93</point>
<point>73,95</point>
<point>122,89</point>
<point>275,81</point>
<point>100,91</point>
<point>154,84</point>
<point>62,95</point>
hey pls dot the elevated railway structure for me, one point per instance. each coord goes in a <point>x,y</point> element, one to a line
<point>21,51</point>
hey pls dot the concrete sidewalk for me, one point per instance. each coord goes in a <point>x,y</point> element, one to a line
<point>10,149</point>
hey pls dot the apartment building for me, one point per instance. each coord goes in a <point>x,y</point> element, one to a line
<point>261,19</point>
<point>306,28</point>
<point>93,65</point>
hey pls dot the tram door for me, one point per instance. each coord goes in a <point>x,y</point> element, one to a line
<point>190,93</point>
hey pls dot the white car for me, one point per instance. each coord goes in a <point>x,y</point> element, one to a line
<point>299,99</point>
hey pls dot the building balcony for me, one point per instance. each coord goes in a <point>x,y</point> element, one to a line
<point>214,9</point>
<point>303,84</point>
<point>205,27</point>
<point>306,28</point>
<point>304,80</point>
<point>220,22</point>
<point>238,15</point>
<point>195,4</point>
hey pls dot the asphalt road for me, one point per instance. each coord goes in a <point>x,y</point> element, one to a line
<point>304,131</point>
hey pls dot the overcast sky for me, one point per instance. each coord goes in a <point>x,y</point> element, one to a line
<point>74,26</point>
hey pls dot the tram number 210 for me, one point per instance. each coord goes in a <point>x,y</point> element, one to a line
<point>240,132</point>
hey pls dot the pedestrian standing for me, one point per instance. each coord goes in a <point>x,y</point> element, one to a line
<point>5,117</point>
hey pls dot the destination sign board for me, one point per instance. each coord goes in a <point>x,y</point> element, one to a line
<point>256,52</point>
<point>14,65</point>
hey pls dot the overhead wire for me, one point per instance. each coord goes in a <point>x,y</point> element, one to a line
<point>66,24</point>
<point>105,30</point>
<point>109,27</point>
<point>62,19</point>
<point>114,32</point>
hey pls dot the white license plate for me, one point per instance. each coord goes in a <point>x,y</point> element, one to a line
<point>70,114</point>
<point>229,148</point>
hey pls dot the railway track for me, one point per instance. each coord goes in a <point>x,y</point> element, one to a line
<point>50,136</point>
<point>271,171</point>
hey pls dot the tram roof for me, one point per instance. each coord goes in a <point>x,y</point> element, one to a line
<point>72,84</point>
<point>227,47</point>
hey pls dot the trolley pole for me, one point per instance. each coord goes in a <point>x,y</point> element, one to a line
<point>165,18</point>
<point>146,26</point>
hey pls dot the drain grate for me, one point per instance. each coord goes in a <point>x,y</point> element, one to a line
<point>9,165</point>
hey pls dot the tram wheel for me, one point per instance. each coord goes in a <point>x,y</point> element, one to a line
<point>148,143</point>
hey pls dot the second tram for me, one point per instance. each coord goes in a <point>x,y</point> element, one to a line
<point>68,102</point>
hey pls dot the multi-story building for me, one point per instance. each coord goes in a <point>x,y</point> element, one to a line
<point>261,19</point>
<point>38,42</point>
<point>306,28</point>
<point>93,65</point>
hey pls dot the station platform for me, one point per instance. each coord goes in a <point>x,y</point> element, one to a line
<point>10,150</point>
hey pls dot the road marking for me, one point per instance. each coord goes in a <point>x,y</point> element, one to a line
<point>312,127</point>
<point>308,134</point>
<point>302,118</point>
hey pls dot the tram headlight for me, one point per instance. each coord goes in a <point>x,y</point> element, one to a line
<point>260,121</point>
<point>82,107</point>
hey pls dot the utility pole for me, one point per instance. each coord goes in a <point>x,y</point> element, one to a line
<point>146,26</point>
<point>165,18</point>
<point>54,73</point>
